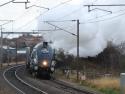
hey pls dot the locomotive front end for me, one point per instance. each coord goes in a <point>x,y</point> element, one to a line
<point>42,61</point>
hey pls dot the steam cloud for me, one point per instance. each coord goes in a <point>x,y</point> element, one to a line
<point>93,36</point>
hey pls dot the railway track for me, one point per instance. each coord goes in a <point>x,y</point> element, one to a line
<point>71,88</point>
<point>54,83</point>
<point>18,78</point>
<point>10,75</point>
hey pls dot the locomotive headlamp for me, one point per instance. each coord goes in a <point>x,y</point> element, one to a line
<point>45,63</point>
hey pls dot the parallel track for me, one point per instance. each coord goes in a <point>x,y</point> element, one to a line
<point>21,86</point>
<point>68,87</point>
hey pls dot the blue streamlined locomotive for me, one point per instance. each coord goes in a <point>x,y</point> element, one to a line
<point>41,60</point>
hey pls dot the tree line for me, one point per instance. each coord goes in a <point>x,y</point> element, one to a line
<point>110,61</point>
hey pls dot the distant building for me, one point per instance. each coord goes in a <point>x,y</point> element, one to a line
<point>4,55</point>
<point>9,51</point>
<point>25,40</point>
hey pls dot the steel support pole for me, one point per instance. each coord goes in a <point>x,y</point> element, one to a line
<point>77,50</point>
<point>1,48</point>
<point>7,52</point>
<point>16,52</point>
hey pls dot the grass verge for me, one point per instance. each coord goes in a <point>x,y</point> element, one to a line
<point>105,85</point>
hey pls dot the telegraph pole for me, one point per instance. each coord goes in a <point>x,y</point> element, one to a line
<point>77,50</point>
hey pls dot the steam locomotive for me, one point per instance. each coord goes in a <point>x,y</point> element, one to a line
<point>41,60</point>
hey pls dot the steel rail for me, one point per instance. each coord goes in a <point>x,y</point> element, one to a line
<point>37,89</point>
<point>19,79</point>
<point>10,82</point>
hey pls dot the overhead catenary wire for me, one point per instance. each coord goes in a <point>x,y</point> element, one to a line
<point>6,3</point>
<point>91,20</point>
<point>61,21</point>
<point>72,12</point>
<point>24,13</point>
<point>61,28</point>
<point>99,17</point>
<point>9,21</point>
<point>102,5</point>
<point>75,11</point>
<point>94,1</point>
<point>27,7</point>
<point>81,23</point>
<point>58,21</point>
<point>65,16</point>
<point>106,15</point>
<point>12,1</point>
<point>29,22</point>
<point>110,18</point>
<point>43,14</point>
<point>96,18</point>
<point>62,3</point>
<point>105,5</point>
<point>58,4</point>
<point>36,6</point>
<point>4,20</point>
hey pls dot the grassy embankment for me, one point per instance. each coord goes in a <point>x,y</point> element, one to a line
<point>106,85</point>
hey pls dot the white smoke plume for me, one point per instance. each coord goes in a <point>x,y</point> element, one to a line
<point>93,36</point>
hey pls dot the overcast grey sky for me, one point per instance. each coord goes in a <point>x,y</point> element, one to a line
<point>93,36</point>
